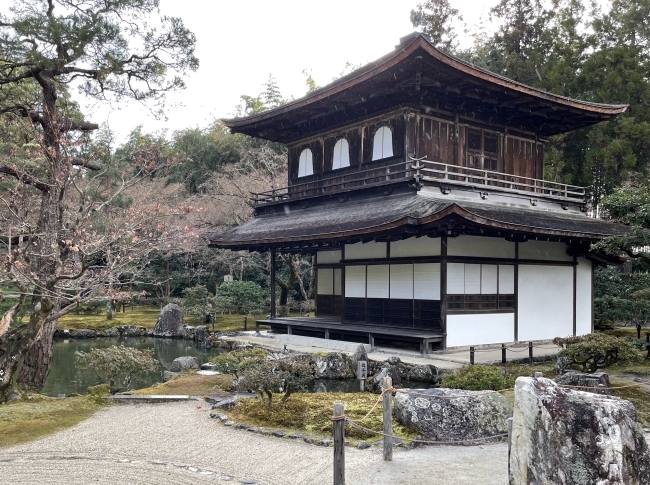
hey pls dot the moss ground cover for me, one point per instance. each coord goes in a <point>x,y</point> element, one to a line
<point>146,317</point>
<point>29,419</point>
<point>637,396</point>
<point>191,384</point>
<point>312,414</point>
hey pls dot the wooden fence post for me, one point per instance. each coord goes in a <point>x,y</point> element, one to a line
<point>530,353</point>
<point>503,353</point>
<point>388,419</point>
<point>338,425</point>
<point>471,356</point>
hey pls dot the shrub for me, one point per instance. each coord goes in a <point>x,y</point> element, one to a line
<point>596,351</point>
<point>478,378</point>
<point>243,297</point>
<point>285,376</point>
<point>238,361</point>
<point>119,366</point>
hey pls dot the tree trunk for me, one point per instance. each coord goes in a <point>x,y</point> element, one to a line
<point>109,310</point>
<point>38,359</point>
<point>37,339</point>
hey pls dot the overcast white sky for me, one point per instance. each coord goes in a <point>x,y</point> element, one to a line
<point>239,42</point>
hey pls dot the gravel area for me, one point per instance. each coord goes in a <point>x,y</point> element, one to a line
<point>178,443</point>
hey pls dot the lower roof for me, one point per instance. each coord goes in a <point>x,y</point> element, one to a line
<point>405,215</point>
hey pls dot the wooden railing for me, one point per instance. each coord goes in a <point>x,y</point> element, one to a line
<point>473,177</point>
<point>420,171</point>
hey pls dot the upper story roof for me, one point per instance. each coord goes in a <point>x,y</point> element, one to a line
<point>417,74</point>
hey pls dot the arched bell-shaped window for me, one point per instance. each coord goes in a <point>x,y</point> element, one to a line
<point>341,157</point>
<point>382,146</point>
<point>305,163</point>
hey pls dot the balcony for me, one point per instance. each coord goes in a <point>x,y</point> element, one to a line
<point>422,172</point>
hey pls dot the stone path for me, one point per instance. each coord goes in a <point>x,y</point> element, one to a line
<point>178,443</point>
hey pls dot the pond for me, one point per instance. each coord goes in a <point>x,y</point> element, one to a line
<point>65,378</point>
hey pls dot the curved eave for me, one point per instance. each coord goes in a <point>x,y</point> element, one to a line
<point>391,60</point>
<point>452,211</point>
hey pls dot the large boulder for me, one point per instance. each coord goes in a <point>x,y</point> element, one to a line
<point>181,364</point>
<point>421,373</point>
<point>389,368</point>
<point>334,365</point>
<point>439,417</point>
<point>170,322</point>
<point>201,333</point>
<point>561,437</point>
<point>597,382</point>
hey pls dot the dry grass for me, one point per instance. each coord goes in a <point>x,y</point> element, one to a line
<point>191,384</point>
<point>29,419</point>
<point>312,414</point>
<point>146,317</point>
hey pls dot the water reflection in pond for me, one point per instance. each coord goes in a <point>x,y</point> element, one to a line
<point>65,378</point>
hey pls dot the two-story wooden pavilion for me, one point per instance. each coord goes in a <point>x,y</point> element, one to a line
<point>418,182</point>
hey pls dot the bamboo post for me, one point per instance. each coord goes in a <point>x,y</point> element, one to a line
<point>388,419</point>
<point>338,425</point>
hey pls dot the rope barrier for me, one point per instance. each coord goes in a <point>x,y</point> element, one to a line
<point>414,440</point>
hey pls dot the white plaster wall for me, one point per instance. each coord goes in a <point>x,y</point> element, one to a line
<point>488,247</point>
<point>355,281</point>
<point>325,281</point>
<point>583,297</point>
<point>328,257</point>
<point>545,250</point>
<point>427,281</point>
<point>378,281</point>
<point>415,246</point>
<point>480,329</point>
<point>401,281</point>
<point>369,250</point>
<point>545,302</point>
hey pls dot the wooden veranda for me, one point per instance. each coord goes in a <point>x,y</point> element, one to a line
<point>329,327</point>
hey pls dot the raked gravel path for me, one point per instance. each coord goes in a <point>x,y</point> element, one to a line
<point>177,443</point>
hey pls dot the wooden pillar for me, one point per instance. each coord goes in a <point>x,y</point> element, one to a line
<point>342,284</point>
<point>592,300</point>
<point>443,290</point>
<point>457,159</point>
<point>516,292</point>
<point>575,295</point>
<point>273,312</point>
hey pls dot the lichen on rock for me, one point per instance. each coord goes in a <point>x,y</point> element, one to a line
<point>567,437</point>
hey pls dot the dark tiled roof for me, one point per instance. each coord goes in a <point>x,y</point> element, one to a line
<point>403,213</point>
